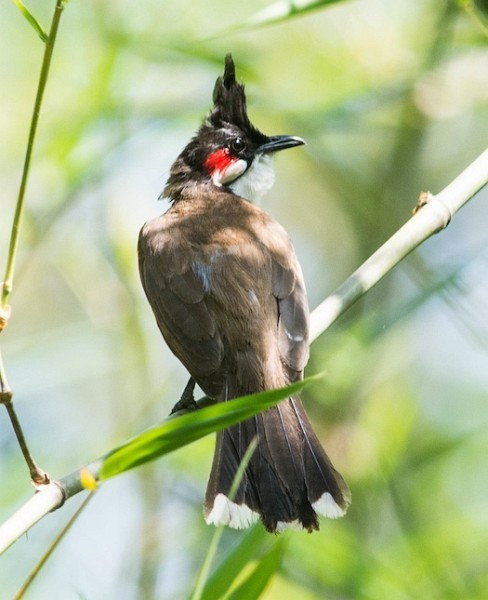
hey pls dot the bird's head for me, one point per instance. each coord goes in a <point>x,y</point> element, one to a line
<point>228,149</point>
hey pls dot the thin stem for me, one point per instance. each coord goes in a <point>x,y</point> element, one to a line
<point>5,389</point>
<point>14,236</point>
<point>38,475</point>
<point>35,571</point>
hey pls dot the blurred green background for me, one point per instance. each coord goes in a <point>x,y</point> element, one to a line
<point>392,98</point>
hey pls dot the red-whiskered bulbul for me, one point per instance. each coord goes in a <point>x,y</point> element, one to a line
<point>227,291</point>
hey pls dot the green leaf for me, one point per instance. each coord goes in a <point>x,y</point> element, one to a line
<point>221,580</point>
<point>38,28</point>
<point>255,583</point>
<point>281,11</point>
<point>212,550</point>
<point>179,431</point>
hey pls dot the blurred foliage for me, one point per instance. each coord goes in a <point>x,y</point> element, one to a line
<point>392,100</point>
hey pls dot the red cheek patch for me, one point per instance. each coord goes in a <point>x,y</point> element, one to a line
<point>218,161</point>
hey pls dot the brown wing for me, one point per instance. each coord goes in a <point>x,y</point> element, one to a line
<point>289,289</point>
<point>176,296</point>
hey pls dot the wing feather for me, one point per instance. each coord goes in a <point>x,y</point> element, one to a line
<point>177,298</point>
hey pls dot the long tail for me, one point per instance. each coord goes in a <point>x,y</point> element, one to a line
<point>289,480</point>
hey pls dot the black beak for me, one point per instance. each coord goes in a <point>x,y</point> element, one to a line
<point>279,142</point>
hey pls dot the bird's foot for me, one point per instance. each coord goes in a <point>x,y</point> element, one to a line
<point>187,400</point>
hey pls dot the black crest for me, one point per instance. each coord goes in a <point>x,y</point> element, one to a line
<point>230,102</point>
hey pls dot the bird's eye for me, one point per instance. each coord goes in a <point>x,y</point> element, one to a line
<point>238,145</point>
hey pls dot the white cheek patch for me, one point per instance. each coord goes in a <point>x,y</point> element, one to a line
<point>234,170</point>
<point>258,179</point>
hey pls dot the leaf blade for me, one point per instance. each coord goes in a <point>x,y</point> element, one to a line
<point>221,580</point>
<point>283,10</point>
<point>182,430</point>
<point>33,22</point>
<point>255,583</point>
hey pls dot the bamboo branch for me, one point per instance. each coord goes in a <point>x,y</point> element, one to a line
<point>36,570</point>
<point>432,215</point>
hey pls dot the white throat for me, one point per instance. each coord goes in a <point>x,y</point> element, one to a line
<point>257,180</point>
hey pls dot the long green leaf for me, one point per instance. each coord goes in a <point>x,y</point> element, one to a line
<point>180,431</point>
<point>281,11</point>
<point>255,583</point>
<point>38,28</point>
<point>212,550</point>
<point>221,580</point>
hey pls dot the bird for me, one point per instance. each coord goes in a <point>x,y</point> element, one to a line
<point>227,291</point>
